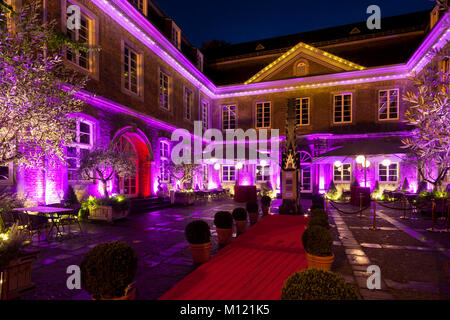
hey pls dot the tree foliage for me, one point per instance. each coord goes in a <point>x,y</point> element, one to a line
<point>106,164</point>
<point>183,172</point>
<point>34,107</point>
<point>429,113</point>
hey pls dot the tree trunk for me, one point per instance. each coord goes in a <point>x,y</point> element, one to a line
<point>105,189</point>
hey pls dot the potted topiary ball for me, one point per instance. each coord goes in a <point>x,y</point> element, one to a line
<point>317,202</point>
<point>240,216</point>
<point>314,284</point>
<point>252,209</point>
<point>223,221</point>
<point>108,271</point>
<point>319,217</point>
<point>198,235</point>
<point>318,244</point>
<point>266,201</point>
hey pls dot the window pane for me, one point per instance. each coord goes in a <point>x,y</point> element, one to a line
<point>4,173</point>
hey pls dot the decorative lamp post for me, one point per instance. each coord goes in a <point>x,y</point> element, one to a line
<point>362,160</point>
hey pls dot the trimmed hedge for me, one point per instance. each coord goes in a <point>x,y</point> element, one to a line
<point>318,241</point>
<point>223,220</point>
<point>313,284</point>
<point>197,232</point>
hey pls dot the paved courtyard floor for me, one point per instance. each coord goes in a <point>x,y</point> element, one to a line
<point>414,263</point>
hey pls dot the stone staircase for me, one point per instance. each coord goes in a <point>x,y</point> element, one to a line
<point>142,205</point>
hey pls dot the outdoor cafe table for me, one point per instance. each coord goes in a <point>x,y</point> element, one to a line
<point>51,213</point>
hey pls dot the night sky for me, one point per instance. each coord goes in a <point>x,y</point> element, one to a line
<point>244,20</point>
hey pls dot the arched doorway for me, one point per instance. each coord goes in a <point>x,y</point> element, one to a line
<point>135,145</point>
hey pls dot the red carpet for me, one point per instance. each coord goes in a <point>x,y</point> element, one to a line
<point>253,267</point>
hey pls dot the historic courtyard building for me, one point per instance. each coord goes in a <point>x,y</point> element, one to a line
<point>148,80</point>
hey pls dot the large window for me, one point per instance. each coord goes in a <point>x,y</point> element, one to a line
<point>229,117</point>
<point>342,173</point>
<point>131,72</point>
<point>82,35</point>
<point>164,155</point>
<point>228,173</point>
<point>6,173</point>
<point>302,111</point>
<point>188,102</point>
<point>83,142</point>
<point>342,108</point>
<point>388,173</point>
<point>205,115</point>
<point>263,114</point>
<point>164,90</point>
<point>262,173</point>
<point>388,104</point>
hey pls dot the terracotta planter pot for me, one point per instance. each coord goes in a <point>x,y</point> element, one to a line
<point>225,235</point>
<point>253,217</point>
<point>130,293</point>
<point>241,226</point>
<point>200,252</point>
<point>15,279</point>
<point>321,263</point>
<point>265,210</point>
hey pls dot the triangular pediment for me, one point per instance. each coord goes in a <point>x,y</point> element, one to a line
<point>303,60</point>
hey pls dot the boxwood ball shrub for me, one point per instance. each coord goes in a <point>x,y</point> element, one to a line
<point>197,232</point>
<point>314,284</point>
<point>319,217</point>
<point>239,214</point>
<point>317,241</point>
<point>223,220</point>
<point>266,201</point>
<point>108,269</point>
<point>252,206</point>
<point>317,202</point>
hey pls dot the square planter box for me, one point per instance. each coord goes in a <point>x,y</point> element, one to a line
<point>15,279</point>
<point>184,198</point>
<point>107,213</point>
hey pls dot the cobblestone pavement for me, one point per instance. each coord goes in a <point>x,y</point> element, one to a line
<point>414,263</point>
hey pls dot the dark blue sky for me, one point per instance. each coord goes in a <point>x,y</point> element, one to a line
<point>245,20</point>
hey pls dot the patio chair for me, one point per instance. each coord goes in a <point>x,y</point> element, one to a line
<point>34,224</point>
<point>68,219</point>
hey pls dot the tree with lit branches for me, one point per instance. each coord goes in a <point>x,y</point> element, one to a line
<point>37,92</point>
<point>429,113</point>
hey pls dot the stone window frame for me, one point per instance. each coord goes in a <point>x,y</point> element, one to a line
<point>388,113</point>
<point>203,103</point>
<point>162,71</point>
<point>78,146</point>
<point>228,173</point>
<point>140,69</point>
<point>388,175</point>
<point>94,68</point>
<point>297,113</point>
<point>188,109</point>
<point>163,172</point>
<point>342,112</point>
<point>227,105</point>
<point>342,173</point>
<point>10,180</point>
<point>263,103</point>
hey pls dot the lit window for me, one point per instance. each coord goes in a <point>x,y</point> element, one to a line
<point>83,142</point>
<point>205,115</point>
<point>388,173</point>
<point>263,114</point>
<point>342,108</point>
<point>164,157</point>
<point>342,173</point>
<point>388,104</point>
<point>228,173</point>
<point>164,90</point>
<point>229,117</point>
<point>302,111</point>
<point>82,35</point>
<point>131,72</point>
<point>176,36</point>
<point>262,173</point>
<point>188,102</point>
<point>6,174</point>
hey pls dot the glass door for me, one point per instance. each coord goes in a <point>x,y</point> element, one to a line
<point>128,185</point>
